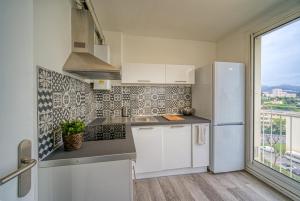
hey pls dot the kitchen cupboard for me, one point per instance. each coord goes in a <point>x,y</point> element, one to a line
<point>88,182</point>
<point>148,145</point>
<point>163,149</point>
<point>143,73</point>
<point>200,151</point>
<point>177,146</point>
<point>180,74</point>
<point>138,73</point>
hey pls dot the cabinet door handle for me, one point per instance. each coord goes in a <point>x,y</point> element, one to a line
<point>144,81</point>
<point>145,128</point>
<point>204,135</point>
<point>181,81</point>
<point>134,174</point>
<point>177,126</point>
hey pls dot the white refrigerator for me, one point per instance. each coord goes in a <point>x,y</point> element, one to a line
<point>219,95</point>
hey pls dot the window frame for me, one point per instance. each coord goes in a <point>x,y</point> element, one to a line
<point>279,181</point>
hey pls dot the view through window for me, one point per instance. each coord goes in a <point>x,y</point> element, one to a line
<point>277,99</point>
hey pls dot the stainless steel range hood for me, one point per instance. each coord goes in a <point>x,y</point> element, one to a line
<point>82,61</point>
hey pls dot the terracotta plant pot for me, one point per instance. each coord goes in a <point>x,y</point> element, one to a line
<point>73,142</point>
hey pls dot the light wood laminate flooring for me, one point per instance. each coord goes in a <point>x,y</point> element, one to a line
<point>235,186</point>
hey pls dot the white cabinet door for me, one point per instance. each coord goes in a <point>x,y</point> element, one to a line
<point>177,146</point>
<point>103,181</point>
<point>143,73</point>
<point>148,145</point>
<point>200,145</point>
<point>180,74</point>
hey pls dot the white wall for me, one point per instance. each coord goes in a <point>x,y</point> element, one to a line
<point>235,45</point>
<point>17,83</point>
<point>163,50</point>
<point>232,48</point>
<point>52,33</point>
<point>141,49</point>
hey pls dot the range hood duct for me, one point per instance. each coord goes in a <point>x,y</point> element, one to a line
<point>82,61</point>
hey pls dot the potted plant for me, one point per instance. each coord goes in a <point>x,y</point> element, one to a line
<point>72,132</point>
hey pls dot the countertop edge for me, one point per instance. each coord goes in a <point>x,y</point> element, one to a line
<point>86,160</point>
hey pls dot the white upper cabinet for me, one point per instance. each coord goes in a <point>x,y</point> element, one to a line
<point>134,73</point>
<point>143,73</point>
<point>180,74</point>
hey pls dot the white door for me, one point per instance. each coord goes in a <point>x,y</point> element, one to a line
<point>143,73</point>
<point>229,93</point>
<point>228,151</point>
<point>17,88</point>
<point>180,74</point>
<point>148,145</point>
<point>177,146</point>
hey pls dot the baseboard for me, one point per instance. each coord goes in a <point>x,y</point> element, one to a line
<point>171,172</point>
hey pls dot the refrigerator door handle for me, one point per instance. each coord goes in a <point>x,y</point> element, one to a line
<point>229,124</point>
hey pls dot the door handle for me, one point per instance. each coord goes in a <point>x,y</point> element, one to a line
<point>177,126</point>
<point>146,128</point>
<point>144,81</point>
<point>25,163</point>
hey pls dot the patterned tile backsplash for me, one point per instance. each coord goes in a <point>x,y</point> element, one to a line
<point>142,100</point>
<point>60,97</point>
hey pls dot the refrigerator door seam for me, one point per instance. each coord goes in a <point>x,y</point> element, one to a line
<point>229,124</point>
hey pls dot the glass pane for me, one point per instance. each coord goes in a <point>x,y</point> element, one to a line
<point>277,100</point>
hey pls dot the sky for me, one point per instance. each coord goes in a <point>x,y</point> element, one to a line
<point>281,56</point>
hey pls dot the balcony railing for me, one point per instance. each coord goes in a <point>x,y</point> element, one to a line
<point>278,144</point>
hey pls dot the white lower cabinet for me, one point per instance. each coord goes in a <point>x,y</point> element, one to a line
<point>177,146</point>
<point>200,145</point>
<point>148,145</point>
<point>103,181</point>
<point>171,149</point>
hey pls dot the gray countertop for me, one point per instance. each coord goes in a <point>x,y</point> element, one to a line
<point>108,150</point>
<point>163,121</point>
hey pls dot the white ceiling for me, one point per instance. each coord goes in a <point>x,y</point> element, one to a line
<point>206,20</point>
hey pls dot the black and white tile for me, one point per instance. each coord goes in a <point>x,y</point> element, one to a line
<point>44,79</point>
<point>142,100</point>
<point>60,97</point>
<point>45,102</point>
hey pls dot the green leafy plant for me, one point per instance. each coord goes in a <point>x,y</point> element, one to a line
<point>72,127</point>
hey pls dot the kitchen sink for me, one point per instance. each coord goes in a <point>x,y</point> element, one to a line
<point>143,119</point>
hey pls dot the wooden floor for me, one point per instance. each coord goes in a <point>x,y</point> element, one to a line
<point>205,186</point>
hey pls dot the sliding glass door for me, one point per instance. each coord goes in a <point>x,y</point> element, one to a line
<point>276,139</point>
